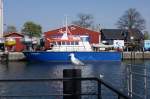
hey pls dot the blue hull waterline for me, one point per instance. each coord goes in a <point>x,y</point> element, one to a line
<point>64,56</point>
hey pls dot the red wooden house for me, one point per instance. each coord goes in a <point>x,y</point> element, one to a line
<point>94,37</point>
<point>19,46</point>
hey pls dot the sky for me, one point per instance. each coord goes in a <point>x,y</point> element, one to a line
<point>50,14</point>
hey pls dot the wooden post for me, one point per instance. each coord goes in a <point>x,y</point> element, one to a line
<point>72,87</point>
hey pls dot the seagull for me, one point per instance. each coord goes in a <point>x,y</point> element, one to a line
<point>74,60</point>
<point>101,76</point>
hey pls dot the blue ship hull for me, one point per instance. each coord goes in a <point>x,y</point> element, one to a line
<point>64,56</point>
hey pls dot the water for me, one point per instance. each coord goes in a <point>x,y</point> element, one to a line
<point>116,73</point>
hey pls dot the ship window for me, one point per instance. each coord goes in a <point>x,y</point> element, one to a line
<point>59,43</point>
<point>63,43</point>
<point>84,39</point>
<point>72,43</point>
<point>54,43</point>
<point>68,43</point>
<point>76,43</point>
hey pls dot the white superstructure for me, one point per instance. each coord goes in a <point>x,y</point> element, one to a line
<point>69,42</point>
<point>78,43</point>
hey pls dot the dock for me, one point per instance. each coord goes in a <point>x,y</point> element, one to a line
<point>12,56</point>
<point>135,55</point>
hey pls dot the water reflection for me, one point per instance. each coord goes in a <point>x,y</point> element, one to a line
<point>136,79</point>
<point>128,78</point>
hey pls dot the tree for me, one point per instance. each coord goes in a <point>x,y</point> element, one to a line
<point>85,20</point>
<point>95,27</point>
<point>31,29</point>
<point>11,28</point>
<point>131,19</point>
<point>146,35</point>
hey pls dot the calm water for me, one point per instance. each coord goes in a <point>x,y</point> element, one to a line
<point>117,73</point>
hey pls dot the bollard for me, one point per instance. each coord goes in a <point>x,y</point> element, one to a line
<point>72,87</point>
<point>5,57</point>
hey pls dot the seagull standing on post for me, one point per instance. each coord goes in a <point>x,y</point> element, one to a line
<point>74,60</point>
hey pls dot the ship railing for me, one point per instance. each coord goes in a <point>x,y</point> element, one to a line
<point>70,48</point>
<point>98,89</point>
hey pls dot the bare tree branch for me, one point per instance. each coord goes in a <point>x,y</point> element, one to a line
<point>131,20</point>
<point>85,20</point>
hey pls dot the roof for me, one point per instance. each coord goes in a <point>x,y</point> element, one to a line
<point>72,28</point>
<point>120,34</point>
<point>101,45</point>
<point>13,34</point>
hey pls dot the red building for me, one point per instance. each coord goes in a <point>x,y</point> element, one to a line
<point>18,46</point>
<point>94,37</point>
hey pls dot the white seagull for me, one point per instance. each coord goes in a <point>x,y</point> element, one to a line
<point>74,60</point>
<point>101,76</point>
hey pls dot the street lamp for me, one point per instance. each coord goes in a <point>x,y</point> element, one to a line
<point>1,19</point>
<point>1,26</point>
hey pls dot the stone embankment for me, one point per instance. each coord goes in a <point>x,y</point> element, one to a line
<point>12,56</point>
<point>135,55</point>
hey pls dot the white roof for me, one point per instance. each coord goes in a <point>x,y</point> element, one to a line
<point>102,45</point>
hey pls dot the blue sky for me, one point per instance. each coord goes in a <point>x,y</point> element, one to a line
<point>50,14</point>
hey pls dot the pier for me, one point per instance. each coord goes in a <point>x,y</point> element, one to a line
<point>11,56</point>
<point>135,55</point>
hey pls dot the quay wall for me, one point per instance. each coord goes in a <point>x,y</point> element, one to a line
<point>135,55</point>
<point>13,56</point>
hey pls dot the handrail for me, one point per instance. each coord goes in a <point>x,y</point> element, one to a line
<point>100,82</point>
<point>108,85</point>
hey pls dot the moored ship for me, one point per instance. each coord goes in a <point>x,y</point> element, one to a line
<point>62,46</point>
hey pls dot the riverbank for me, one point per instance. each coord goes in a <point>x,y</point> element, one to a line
<point>16,56</point>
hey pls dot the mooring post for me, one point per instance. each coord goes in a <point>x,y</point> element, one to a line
<point>99,90</point>
<point>5,57</point>
<point>72,88</point>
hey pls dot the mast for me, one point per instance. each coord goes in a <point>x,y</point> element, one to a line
<point>1,18</point>
<point>66,25</point>
<point>65,34</point>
